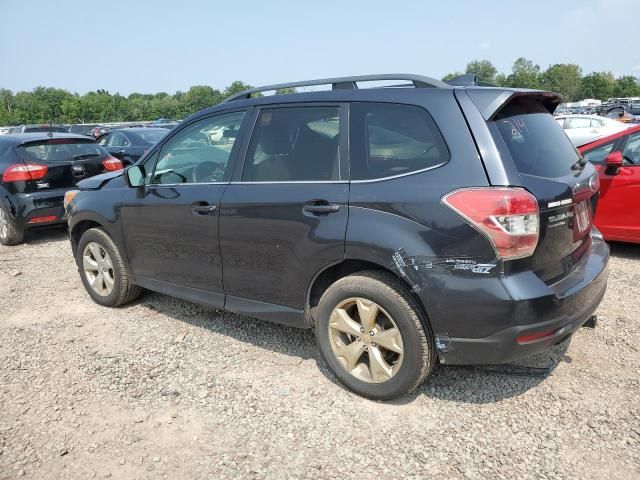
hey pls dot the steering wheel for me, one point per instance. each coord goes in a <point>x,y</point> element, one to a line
<point>206,172</point>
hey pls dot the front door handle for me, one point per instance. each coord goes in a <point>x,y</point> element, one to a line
<point>321,206</point>
<point>202,208</point>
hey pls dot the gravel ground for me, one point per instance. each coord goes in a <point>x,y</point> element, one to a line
<point>167,389</point>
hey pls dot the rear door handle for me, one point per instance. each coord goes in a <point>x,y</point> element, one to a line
<point>202,208</point>
<point>321,206</point>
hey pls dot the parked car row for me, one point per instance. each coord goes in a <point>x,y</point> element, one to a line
<point>88,129</point>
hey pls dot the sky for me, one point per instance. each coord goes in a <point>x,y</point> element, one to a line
<point>151,46</point>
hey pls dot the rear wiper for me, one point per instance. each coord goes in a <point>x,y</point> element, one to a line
<point>85,155</point>
<point>579,165</point>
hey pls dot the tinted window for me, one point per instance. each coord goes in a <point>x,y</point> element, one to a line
<point>189,157</point>
<point>390,139</point>
<point>117,139</point>
<point>598,154</point>
<point>631,153</point>
<point>151,136</point>
<point>294,144</point>
<point>537,144</point>
<point>56,150</point>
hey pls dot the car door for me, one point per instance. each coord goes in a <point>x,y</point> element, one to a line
<point>620,193</point>
<point>170,224</point>
<point>284,218</point>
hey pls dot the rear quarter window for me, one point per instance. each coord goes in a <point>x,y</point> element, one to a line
<point>392,139</point>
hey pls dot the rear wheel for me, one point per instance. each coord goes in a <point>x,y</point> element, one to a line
<point>10,233</point>
<point>372,335</point>
<point>102,270</point>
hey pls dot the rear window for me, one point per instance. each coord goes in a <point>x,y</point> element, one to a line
<point>151,136</point>
<point>60,150</point>
<point>392,139</point>
<point>537,144</point>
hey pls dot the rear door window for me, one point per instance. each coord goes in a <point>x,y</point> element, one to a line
<point>536,143</point>
<point>391,139</point>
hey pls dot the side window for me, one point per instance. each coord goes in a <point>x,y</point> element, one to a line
<point>561,121</point>
<point>631,153</point>
<point>596,123</point>
<point>191,157</point>
<point>391,139</point>
<point>294,144</point>
<point>598,154</point>
<point>116,140</point>
<point>104,140</point>
<point>577,122</point>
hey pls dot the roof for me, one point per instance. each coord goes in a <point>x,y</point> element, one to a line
<point>17,138</point>
<point>608,138</point>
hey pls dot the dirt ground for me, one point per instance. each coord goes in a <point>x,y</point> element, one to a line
<point>168,389</point>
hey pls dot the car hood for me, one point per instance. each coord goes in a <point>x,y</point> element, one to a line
<point>96,182</point>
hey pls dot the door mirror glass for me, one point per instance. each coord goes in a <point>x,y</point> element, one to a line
<point>614,159</point>
<point>134,176</point>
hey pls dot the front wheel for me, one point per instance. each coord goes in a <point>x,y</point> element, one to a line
<point>371,333</point>
<point>102,270</point>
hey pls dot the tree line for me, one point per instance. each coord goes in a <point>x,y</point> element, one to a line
<point>44,105</point>
<point>563,78</point>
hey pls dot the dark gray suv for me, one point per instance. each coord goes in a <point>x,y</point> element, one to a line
<point>409,225</point>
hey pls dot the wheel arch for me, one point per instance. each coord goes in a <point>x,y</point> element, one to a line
<point>332,273</point>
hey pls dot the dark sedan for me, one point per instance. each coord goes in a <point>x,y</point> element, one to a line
<point>129,144</point>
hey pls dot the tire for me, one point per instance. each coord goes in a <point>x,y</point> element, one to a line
<point>10,233</point>
<point>121,289</point>
<point>394,301</point>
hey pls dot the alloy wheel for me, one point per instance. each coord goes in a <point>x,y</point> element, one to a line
<point>98,268</point>
<point>366,340</point>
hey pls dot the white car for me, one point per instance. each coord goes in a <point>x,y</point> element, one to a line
<point>582,129</point>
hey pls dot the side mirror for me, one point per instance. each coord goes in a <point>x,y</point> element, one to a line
<point>134,176</point>
<point>613,160</point>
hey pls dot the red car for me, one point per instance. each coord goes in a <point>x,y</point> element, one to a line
<point>617,159</point>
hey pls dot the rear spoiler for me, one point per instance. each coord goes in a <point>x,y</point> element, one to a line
<point>492,101</point>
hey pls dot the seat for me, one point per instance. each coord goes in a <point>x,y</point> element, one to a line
<point>272,156</point>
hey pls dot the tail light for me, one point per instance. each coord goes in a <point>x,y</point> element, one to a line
<point>508,217</point>
<point>21,172</point>
<point>112,164</point>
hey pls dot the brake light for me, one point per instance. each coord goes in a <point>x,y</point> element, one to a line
<point>532,337</point>
<point>20,172</point>
<point>112,164</point>
<point>508,217</point>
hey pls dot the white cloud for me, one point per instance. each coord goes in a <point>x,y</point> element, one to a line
<point>485,45</point>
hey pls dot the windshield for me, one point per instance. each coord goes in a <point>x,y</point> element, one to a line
<point>45,128</point>
<point>537,144</point>
<point>58,150</point>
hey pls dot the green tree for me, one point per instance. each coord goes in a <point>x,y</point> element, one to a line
<point>449,76</point>
<point>626,86</point>
<point>524,74</point>
<point>598,85</point>
<point>562,78</point>
<point>484,69</point>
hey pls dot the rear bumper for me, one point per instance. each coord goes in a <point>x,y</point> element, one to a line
<point>539,315</point>
<point>27,207</point>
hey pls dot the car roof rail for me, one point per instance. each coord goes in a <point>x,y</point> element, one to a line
<point>344,83</point>
<point>468,80</point>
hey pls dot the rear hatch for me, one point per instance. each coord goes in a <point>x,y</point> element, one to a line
<point>68,160</point>
<point>565,185</point>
